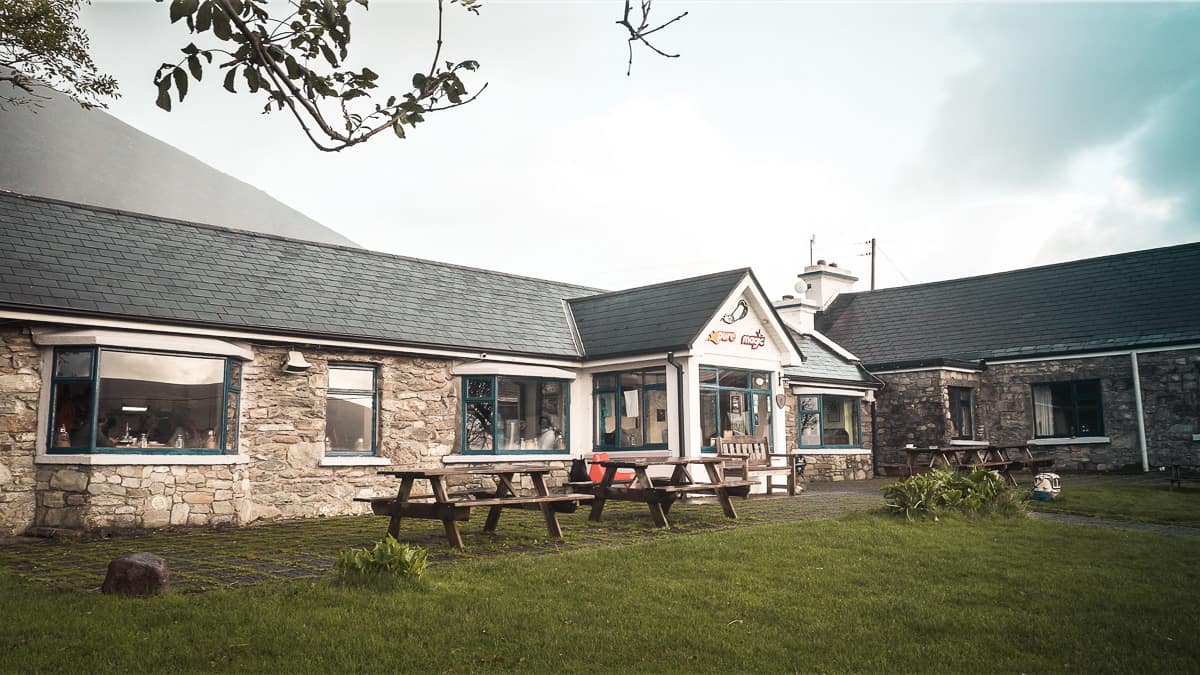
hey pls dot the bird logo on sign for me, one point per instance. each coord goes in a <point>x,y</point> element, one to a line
<point>739,312</point>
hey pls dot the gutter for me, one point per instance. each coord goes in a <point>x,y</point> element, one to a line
<point>1141,415</point>
<point>679,403</point>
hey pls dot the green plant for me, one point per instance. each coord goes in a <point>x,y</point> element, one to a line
<point>981,492</point>
<point>388,562</point>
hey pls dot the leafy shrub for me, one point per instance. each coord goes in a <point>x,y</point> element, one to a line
<point>387,563</point>
<point>981,492</point>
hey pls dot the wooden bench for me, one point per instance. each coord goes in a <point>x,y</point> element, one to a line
<point>748,457</point>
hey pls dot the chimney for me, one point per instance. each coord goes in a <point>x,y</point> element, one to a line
<point>816,287</point>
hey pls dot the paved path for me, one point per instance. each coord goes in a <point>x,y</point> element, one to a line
<point>1118,524</point>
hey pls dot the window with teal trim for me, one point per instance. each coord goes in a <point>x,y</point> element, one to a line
<point>120,401</point>
<point>630,410</point>
<point>828,421</point>
<point>351,417</point>
<point>734,402</point>
<point>518,415</point>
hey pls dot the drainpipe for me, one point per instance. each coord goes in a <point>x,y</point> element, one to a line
<point>874,438</point>
<point>679,403</point>
<point>1141,416</point>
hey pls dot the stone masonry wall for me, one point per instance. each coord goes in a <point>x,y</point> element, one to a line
<point>1171,403</point>
<point>1007,405</point>
<point>100,498</point>
<point>914,408</point>
<point>283,430</point>
<point>20,389</point>
<point>823,467</point>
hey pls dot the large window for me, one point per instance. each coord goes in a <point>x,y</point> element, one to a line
<point>1067,409</point>
<point>962,414</point>
<point>630,410</point>
<point>107,400</point>
<point>734,402</point>
<point>350,418</point>
<point>828,421</point>
<point>514,415</point>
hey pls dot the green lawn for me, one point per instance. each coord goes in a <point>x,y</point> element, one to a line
<point>1142,502</point>
<point>866,593</point>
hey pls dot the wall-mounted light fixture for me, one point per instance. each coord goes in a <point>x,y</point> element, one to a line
<point>295,363</point>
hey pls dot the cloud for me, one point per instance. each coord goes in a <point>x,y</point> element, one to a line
<point>1051,82</point>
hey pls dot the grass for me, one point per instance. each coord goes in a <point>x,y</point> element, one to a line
<point>865,593</point>
<point>1139,502</point>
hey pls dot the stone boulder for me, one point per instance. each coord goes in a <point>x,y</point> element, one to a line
<point>137,574</point>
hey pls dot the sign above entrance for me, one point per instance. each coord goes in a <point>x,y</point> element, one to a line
<point>752,340</point>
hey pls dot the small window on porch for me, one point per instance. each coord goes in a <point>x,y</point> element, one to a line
<point>962,413</point>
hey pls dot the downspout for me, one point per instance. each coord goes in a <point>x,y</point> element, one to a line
<point>679,402</point>
<point>874,438</point>
<point>1141,416</point>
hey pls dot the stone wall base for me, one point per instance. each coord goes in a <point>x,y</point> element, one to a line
<point>106,498</point>
<point>838,467</point>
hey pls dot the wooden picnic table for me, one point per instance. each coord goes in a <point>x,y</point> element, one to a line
<point>450,508</point>
<point>661,494</point>
<point>999,457</point>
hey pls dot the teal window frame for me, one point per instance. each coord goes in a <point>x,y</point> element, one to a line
<point>495,402</point>
<point>91,449</point>
<point>616,391</point>
<point>821,421</point>
<point>373,393</point>
<point>748,389</point>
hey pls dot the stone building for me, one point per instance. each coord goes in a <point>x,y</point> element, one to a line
<point>160,373</point>
<point>1096,361</point>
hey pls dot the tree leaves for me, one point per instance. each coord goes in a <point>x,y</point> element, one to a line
<point>296,58</point>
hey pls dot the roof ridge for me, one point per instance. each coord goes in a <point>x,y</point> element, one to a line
<point>264,235</point>
<point>1065,263</point>
<point>661,284</point>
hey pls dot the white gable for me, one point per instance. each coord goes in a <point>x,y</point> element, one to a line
<point>745,329</point>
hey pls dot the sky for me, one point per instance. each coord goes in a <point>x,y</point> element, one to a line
<point>966,139</point>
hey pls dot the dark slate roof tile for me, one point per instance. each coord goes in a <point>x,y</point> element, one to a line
<point>654,318</point>
<point>823,363</point>
<point>123,264</point>
<point>1141,298</point>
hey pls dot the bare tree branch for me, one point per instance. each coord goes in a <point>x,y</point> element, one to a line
<point>642,30</point>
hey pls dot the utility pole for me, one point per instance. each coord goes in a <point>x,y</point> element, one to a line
<point>872,254</point>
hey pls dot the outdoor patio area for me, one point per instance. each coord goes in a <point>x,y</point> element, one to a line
<point>203,560</point>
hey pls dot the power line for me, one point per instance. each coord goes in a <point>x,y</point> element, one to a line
<point>892,263</point>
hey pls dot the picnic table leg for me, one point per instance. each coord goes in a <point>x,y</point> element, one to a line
<point>656,508</point>
<point>601,491</point>
<point>451,526</point>
<point>401,499</point>
<point>714,475</point>
<point>548,512</point>
<point>503,489</point>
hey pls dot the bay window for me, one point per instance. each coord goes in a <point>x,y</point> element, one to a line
<point>119,401</point>
<point>825,421</point>
<point>502,414</point>
<point>630,410</point>
<point>734,402</point>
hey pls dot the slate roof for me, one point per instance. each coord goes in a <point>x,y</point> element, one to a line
<point>1139,299</point>
<point>99,262</point>
<point>657,318</point>
<point>823,364</point>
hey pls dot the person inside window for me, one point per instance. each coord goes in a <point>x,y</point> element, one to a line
<point>547,435</point>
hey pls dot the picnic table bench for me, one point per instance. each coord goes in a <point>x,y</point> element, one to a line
<point>749,456</point>
<point>660,494</point>
<point>1001,458</point>
<point>452,508</point>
